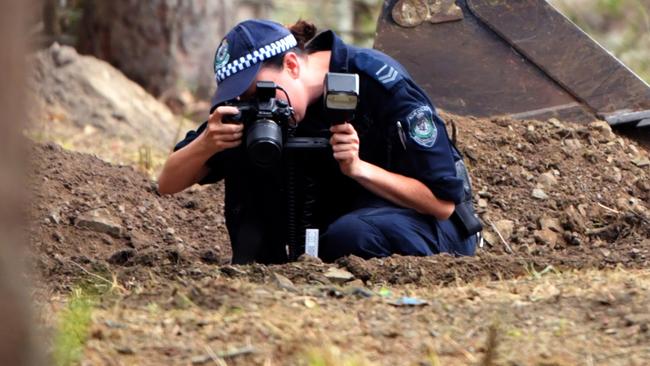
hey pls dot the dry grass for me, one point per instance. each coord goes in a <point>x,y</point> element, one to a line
<point>554,319</point>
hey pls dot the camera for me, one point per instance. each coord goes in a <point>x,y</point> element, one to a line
<point>266,119</point>
<point>263,117</point>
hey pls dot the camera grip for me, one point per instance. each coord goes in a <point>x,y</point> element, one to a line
<point>232,118</point>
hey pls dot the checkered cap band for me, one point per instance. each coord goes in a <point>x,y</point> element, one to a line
<point>259,55</point>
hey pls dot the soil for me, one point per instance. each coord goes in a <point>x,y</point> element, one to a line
<point>554,197</point>
<point>87,105</point>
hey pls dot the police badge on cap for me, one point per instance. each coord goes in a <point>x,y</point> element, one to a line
<point>422,129</point>
<point>222,56</point>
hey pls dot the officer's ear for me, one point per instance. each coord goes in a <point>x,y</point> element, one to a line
<point>291,63</point>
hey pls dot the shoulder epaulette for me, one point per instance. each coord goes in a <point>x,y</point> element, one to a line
<point>379,67</point>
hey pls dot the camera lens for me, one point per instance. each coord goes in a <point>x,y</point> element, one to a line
<point>264,143</point>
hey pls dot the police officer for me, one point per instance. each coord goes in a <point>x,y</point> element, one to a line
<point>391,173</point>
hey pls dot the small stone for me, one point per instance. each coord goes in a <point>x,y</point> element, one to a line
<point>359,291</point>
<point>484,194</point>
<point>505,227</point>
<point>616,176</point>
<point>572,238</point>
<point>99,220</point>
<point>546,180</point>
<point>114,325</point>
<point>232,271</point>
<point>58,237</point>
<point>121,256</point>
<point>550,223</point>
<point>643,185</point>
<point>641,161</point>
<point>490,237</point>
<point>483,203</point>
<point>54,217</point>
<point>209,256</point>
<point>283,282</point>
<point>642,318</point>
<point>63,55</point>
<point>355,283</point>
<point>572,219</point>
<point>546,236</point>
<point>309,303</point>
<point>539,194</point>
<point>125,350</point>
<point>201,359</point>
<point>604,128</point>
<point>573,144</point>
<point>627,204</point>
<point>306,258</point>
<point>357,266</point>
<point>556,123</point>
<point>338,275</point>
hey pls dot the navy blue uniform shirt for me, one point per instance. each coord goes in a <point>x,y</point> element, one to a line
<point>388,97</point>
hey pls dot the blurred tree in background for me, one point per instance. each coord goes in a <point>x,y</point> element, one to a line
<point>168,45</point>
<point>621,26</point>
<point>354,20</point>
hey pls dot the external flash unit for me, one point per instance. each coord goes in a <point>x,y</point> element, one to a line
<point>341,96</point>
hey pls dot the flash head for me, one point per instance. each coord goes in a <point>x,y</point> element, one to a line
<point>341,95</point>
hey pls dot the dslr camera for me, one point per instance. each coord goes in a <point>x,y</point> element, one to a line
<point>264,118</point>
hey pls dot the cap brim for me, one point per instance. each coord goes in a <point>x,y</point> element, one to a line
<point>235,85</point>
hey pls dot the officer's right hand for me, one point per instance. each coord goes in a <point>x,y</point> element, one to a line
<point>219,136</point>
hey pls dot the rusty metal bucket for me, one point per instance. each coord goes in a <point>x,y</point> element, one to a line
<point>510,57</point>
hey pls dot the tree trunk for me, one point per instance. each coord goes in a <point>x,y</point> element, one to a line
<point>15,334</point>
<point>167,46</point>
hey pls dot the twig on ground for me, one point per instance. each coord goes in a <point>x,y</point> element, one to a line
<point>491,347</point>
<point>460,349</point>
<point>505,243</point>
<point>215,358</point>
<point>608,209</point>
<point>600,230</point>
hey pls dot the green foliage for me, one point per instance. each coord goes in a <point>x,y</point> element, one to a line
<point>533,273</point>
<point>73,329</point>
<point>611,7</point>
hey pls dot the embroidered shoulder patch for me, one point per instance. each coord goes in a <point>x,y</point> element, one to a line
<point>422,129</point>
<point>222,56</point>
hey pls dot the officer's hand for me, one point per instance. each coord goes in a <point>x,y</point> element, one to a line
<point>219,136</point>
<point>345,144</point>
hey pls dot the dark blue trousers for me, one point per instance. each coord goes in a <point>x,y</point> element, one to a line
<point>381,231</point>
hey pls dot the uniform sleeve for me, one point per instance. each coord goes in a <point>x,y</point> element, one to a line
<point>216,163</point>
<point>423,139</point>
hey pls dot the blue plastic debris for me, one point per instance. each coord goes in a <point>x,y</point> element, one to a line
<point>408,301</point>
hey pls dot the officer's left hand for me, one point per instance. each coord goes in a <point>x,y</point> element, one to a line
<point>345,144</point>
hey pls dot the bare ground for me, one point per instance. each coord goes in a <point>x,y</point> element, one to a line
<point>177,301</point>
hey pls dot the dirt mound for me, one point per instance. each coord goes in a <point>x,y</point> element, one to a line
<point>87,211</point>
<point>549,186</point>
<point>549,193</point>
<point>89,106</point>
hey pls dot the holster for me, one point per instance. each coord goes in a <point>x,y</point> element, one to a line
<point>464,216</point>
